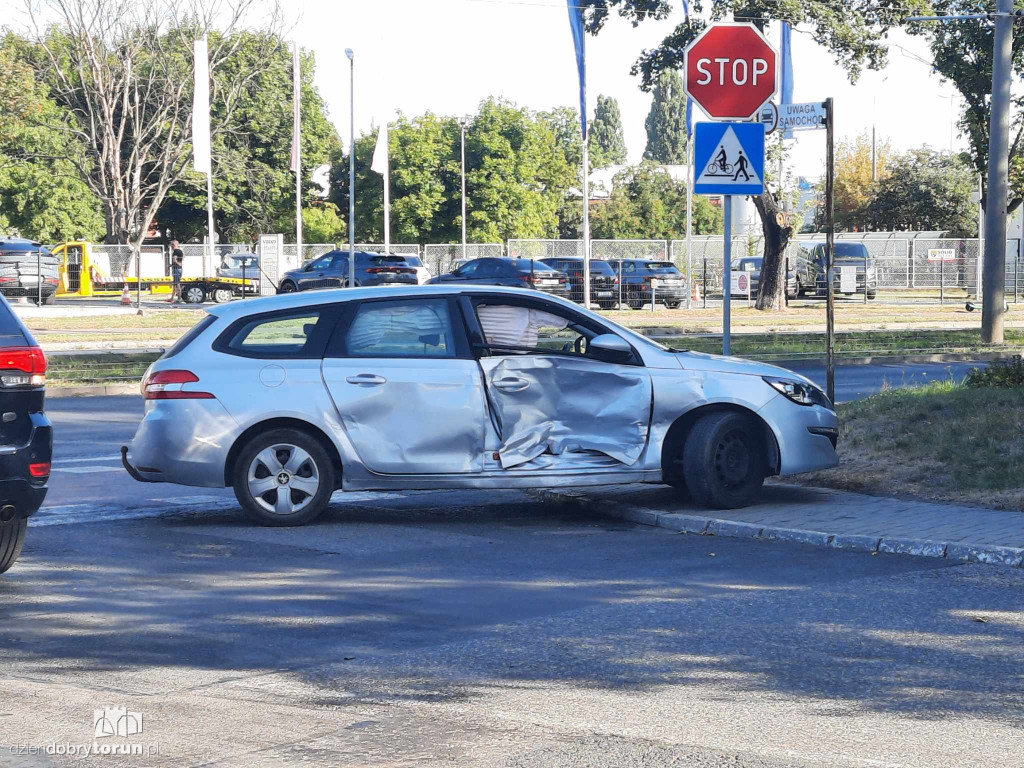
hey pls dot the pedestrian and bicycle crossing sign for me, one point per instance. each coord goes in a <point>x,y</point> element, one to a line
<point>729,159</point>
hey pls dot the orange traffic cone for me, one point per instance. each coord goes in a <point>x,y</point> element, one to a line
<point>126,298</point>
<point>696,290</point>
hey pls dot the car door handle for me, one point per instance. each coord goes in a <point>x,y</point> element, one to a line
<point>512,384</point>
<point>366,380</point>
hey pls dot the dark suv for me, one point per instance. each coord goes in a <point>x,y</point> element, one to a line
<point>853,270</point>
<point>638,278</point>
<point>514,273</point>
<point>331,271</point>
<point>753,265</point>
<point>27,269</point>
<point>604,283</point>
<point>26,437</point>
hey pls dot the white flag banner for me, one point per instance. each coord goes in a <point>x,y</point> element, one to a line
<point>296,110</point>
<point>201,108</point>
<point>380,152</point>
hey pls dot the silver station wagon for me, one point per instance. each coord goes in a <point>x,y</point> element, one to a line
<point>290,398</point>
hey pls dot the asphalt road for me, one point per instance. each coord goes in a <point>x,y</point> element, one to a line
<point>482,629</point>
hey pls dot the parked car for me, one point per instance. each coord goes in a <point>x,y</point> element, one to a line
<point>638,276</point>
<point>512,273</point>
<point>752,265</point>
<point>287,399</point>
<point>332,271</point>
<point>240,265</point>
<point>27,268</point>
<point>423,273</point>
<point>26,437</point>
<point>853,270</point>
<point>604,283</point>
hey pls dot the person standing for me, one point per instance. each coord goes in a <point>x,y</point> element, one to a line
<point>177,262</point>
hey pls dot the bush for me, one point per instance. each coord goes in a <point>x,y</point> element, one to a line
<point>1008,374</point>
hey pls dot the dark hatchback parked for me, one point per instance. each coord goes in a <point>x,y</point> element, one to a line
<point>638,286</point>
<point>27,269</point>
<point>513,273</point>
<point>26,437</point>
<point>604,283</point>
<point>331,271</point>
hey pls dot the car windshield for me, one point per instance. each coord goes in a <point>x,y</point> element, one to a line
<point>852,251</point>
<point>526,265</point>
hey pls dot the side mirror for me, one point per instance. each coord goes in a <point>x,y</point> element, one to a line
<point>610,347</point>
<point>307,267</point>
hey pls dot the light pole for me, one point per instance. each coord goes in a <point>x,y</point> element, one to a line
<point>462,126</point>
<point>352,164</point>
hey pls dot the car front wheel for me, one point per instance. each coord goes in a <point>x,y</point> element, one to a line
<point>12,537</point>
<point>286,287</point>
<point>283,477</point>
<point>724,460</point>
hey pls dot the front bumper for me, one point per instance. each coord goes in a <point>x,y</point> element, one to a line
<point>800,449</point>
<point>182,441</point>
<point>17,486</point>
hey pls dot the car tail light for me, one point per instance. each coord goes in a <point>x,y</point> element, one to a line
<point>168,385</point>
<point>40,469</point>
<point>8,279</point>
<point>22,366</point>
<point>51,280</point>
<point>527,278</point>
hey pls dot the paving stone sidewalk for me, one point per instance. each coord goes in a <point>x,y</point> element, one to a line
<point>825,517</point>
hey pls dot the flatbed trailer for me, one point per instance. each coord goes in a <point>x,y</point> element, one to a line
<point>194,290</point>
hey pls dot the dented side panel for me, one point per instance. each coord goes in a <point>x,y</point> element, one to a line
<point>559,404</point>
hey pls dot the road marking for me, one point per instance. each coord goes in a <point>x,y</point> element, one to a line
<point>86,470</point>
<point>88,458</point>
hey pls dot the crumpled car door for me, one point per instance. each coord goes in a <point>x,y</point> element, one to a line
<point>558,403</point>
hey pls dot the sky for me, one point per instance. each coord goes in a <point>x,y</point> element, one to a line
<point>446,56</point>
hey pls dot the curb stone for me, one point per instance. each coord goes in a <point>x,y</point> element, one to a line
<point>682,523</point>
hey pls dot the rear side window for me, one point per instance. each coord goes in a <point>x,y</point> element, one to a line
<point>601,268</point>
<point>189,336</point>
<point>403,328</point>
<point>297,334</point>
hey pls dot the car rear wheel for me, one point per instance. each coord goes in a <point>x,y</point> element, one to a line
<point>283,477</point>
<point>194,294</point>
<point>12,537</point>
<point>724,460</point>
<point>222,295</point>
<point>673,304</point>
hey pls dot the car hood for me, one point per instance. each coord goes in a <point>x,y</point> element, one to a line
<point>700,361</point>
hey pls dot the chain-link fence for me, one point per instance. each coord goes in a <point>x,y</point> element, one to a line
<point>655,250</point>
<point>309,251</point>
<point>544,249</point>
<point>441,259</point>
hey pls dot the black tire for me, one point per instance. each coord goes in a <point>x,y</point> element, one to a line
<point>287,287</point>
<point>221,295</point>
<point>608,305</point>
<point>48,300</point>
<point>193,294</point>
<point>12,537</point>
<point>724,460</point>
<point>673,304</point>
<point>871,295</point>
<point>316,466</point>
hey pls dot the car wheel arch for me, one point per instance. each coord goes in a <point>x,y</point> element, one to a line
<point>283,423</point>
<point>675,438</point>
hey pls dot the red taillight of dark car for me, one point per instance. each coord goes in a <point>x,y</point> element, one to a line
<point>169,385</point>
<point>39,469</point>
<point>22,366</point>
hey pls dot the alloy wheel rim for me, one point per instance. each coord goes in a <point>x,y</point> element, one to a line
<point>283,479</point>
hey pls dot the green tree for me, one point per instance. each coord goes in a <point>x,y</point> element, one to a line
<point>666,122</point>
<point>926,190</point>
<point>855,36</point>
<point>647,203</point>
<point>41,196</point>
<point>322,224</point>
<point>854,182</point>
<point>564,124</point>
<point>607,144</point>
<point>962,54</point>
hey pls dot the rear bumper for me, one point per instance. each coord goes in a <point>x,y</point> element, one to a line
<point>16,291</point>
<point>17,486</point>
<point>182,441</point>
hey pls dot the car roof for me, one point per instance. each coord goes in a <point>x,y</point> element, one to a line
<point>19,242</point>
<point>302,299</point>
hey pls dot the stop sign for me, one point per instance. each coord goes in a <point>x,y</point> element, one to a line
<point>731,70</point>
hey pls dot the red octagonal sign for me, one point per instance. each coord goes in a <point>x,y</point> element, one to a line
<point>731,70</point>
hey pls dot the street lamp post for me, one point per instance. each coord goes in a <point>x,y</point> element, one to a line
<point>462,125</point>
<point>352,164</point>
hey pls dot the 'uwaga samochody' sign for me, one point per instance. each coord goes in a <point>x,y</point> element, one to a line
<point>801,117</point>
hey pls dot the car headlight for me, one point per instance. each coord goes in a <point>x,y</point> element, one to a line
<point>800,392</point>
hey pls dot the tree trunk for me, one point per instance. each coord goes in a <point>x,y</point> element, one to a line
<point>771,293</point>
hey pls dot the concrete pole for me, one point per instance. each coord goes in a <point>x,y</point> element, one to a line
<point>352,167</point>
<point>994,274</point>
<point>462,125</point>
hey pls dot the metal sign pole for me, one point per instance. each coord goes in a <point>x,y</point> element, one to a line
<point>727,279</point>
<point>830,244</point>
